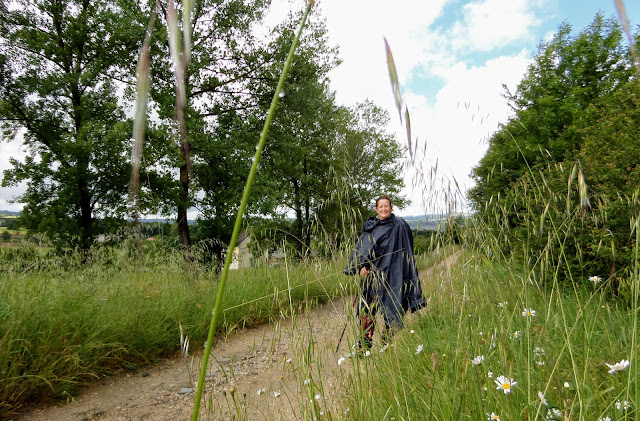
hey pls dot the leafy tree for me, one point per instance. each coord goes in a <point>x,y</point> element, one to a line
<point>324,162</point>
<point>59,70</point>
<point>367,163</point>
<point>369,157</point>
<point>298,154</point>
<point>225,56</point>
<point>567,75</point>
<point>557,184</point>
<point>611,161</point>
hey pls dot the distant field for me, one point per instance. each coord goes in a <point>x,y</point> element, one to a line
<point>20,232</point>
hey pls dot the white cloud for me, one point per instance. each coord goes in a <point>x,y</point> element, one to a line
<point>453,131</point>
<point>491,24</point>
<point>358,28</point>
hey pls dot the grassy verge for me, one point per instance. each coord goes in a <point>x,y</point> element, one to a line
<point>67,324</point>
<point>478,328</point>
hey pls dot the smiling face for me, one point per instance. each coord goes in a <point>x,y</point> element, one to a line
<point>384,208</point>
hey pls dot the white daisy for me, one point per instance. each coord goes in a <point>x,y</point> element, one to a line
<point>307,381</point>
<point>528,312</point>
<point>317,397</point>
<point>341,360</point>
<point>490,374</point>
<point>623,405</point>
<point>276,394</point>
<point>595,279</point>
<point>540,363</point>
<point>618,366</point>
<point>604,419</point>
<point>493,416</point>
<point>567,385</point>
<point>261,391</point>
<point>478,360</point>
<point>542,399</point>
<point>538,351</point>
<point>419,349</point>
<point>505,384</point>
<point>289,360</point>
<point>516,334</point>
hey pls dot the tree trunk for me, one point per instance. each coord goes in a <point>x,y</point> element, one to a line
<point>307,223</point>
<point>86,232</point>
<point>298,209</point>
<point>183,221</point>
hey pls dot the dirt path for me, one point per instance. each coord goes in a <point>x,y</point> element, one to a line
<point>274,372</point>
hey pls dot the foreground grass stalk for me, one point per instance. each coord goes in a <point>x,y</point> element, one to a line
<point>243,204</point>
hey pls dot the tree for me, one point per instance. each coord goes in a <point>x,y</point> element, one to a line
<point>225,56</point>
<point>325,162</point>
<point>557,184</point>
<point>369,156</point>
<point>367,163</point>
<point>567,75</point>
<point>298,156</point>
<point>60,68</point>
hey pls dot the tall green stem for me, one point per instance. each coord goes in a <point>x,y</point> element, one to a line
<point>236,229</point>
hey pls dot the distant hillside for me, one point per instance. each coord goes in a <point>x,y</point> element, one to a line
<point>9,213</point>
<point>425,222</point>
<point>164,221</point>
<point>147,220</point>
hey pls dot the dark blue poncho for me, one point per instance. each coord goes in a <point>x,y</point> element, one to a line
<point>386,248</point>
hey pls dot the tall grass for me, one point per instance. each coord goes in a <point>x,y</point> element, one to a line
<point>476,313</point>
<point>69,323</point>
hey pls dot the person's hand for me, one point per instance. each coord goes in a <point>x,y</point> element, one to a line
<point>364,272</point>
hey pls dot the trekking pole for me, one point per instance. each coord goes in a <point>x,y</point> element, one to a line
<point>341,335</point>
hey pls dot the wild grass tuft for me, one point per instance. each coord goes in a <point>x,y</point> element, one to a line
<point>560,353</point>
<point>70,323</point>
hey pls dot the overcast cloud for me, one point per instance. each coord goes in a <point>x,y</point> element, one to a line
<point>453,57</point>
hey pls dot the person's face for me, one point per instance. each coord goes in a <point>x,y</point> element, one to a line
<point>383,208</point>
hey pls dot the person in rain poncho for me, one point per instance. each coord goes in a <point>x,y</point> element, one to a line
<point>383,258</point>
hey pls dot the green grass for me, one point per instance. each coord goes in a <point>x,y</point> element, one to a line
<point>63,324</point>
<point>476,312</point>
<point>63,327</point>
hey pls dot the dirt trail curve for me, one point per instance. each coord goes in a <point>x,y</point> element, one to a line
<point>274,359</point>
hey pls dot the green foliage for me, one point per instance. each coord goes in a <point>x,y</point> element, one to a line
<point>9,223</point>
<point>424,241</point>
<point>5,236</point>
<point>58,95</point>
<point>558,183</point>
<point>568,74</point>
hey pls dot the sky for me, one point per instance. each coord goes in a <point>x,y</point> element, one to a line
<point>453,58</point>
